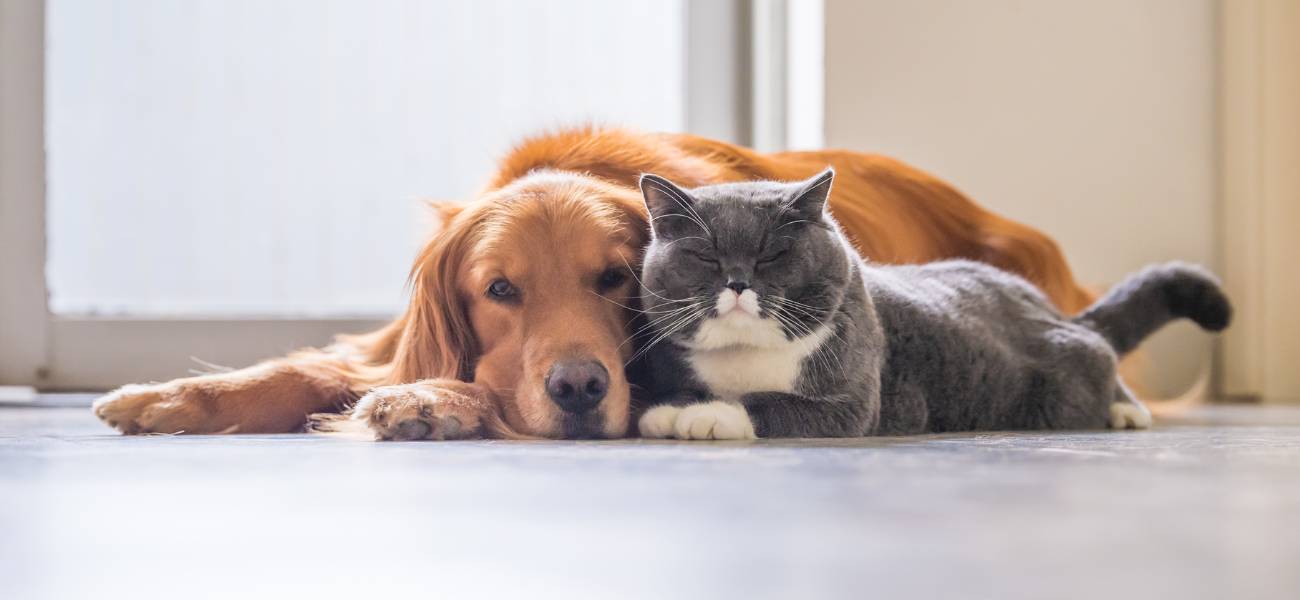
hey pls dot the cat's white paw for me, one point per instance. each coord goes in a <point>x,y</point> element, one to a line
<point>714,421</point>
<point>658,422</point>
<point>1129,415</point>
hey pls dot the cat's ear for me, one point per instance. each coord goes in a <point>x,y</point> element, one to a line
<point>663,198</point>
<point>810,200</point>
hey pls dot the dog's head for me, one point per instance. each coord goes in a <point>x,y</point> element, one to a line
<point>529,292</point>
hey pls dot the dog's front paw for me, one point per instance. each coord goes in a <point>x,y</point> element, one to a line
<point>155,408</point>
<point>417,411</point>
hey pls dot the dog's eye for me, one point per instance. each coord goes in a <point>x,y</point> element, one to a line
<point>611,279</point>
<point>502,289</point>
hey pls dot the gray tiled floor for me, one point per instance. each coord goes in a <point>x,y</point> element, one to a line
<point>1205,508</point>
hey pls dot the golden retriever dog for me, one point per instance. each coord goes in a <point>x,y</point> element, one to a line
<point>523,306</point>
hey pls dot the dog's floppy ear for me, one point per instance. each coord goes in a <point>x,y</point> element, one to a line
<point>437,340</point>
<point>444,212</point>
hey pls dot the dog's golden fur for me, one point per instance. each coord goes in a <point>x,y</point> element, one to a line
<point>561,211</point>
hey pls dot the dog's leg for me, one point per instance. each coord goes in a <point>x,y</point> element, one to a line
<point>271,397</point>
<point>433,409</point>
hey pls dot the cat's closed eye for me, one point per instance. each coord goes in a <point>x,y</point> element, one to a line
<point>704,258</point>
<point>771,258</point>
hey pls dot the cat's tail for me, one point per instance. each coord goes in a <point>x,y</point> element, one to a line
<point>1154,296</point>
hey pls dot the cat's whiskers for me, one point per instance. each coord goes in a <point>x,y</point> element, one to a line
<point>660,319</point>
<point>683,300</point>
<point>813,312</point>
<point>667,315</point>
<point>821,357</point>
<point>794,309</point>
<point>679,216</point>
<point>673,328</point>
<point>799,329</point>
<point>619,304</point>
<point>789,223</point>
<point>784,300</point>
<point>675,312</point>
<point>689,237</point>
<point>641,283</point>
<point>785,318</point>
<point>631,308</point>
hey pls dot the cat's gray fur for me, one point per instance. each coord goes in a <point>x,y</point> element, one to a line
<point>948,346</point>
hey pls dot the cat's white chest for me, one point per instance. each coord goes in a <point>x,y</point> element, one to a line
<point>736,355</point>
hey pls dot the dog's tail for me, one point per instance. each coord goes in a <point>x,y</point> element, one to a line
<point>1151,298</point>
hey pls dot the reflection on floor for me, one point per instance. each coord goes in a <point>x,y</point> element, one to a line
<point>1206,507</point>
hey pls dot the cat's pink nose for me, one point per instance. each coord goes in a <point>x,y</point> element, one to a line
<point>745,299</point>
<point>748,302</point>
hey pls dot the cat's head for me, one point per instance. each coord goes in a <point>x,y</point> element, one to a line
<point>757,263</point>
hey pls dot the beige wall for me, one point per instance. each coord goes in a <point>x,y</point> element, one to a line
<point>1260,195</point>
<point>1091,120</point>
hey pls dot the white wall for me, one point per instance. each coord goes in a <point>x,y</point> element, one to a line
<point>1091,120</point>
<point>270,157</point>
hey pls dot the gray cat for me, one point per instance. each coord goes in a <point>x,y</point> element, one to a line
<point>764,322</point>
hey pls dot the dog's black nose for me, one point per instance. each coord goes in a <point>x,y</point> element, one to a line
<point>738,286</point>
<point>578,386</point>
